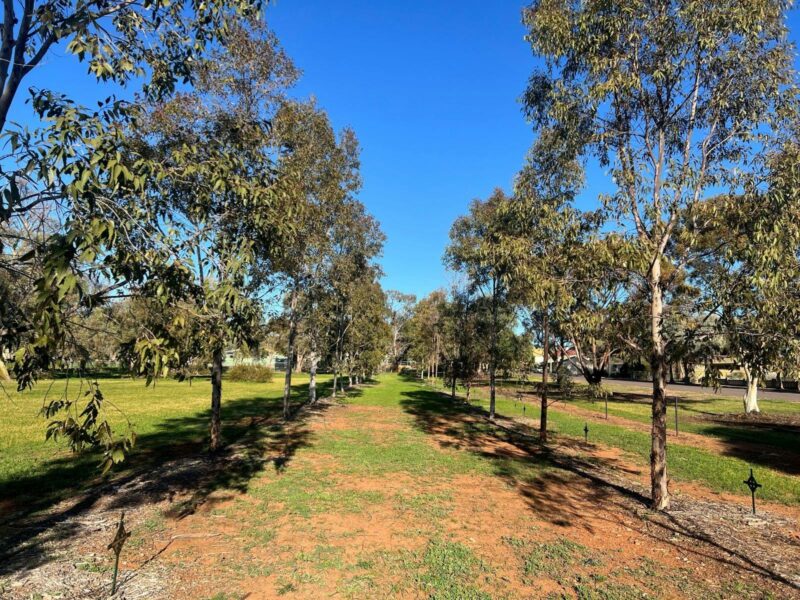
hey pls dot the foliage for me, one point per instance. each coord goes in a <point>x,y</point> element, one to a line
<point>483,247</point>
<point>252,373</point>
<point>564,382</point>
<point>401,308</point>
<point>77,225</point>
<point>674,99</point>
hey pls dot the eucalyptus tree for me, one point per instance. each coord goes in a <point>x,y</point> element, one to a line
<point>74,166</point>
<point>230,211</point>
<point>356,242</point>
<point>598,311</point>
<point>425,332</point>
<point>369,336</point>
<point>464,342</point>
<point>750,275</point>
<point>327,177</point>
<point>675,99</point>
<point>482,246</point>
<point>401,309</point>
<point>118,40</point>
<point>547,230</point>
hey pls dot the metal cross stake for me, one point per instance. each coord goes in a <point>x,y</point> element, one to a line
<point>586,432</point>
<point>753,485</point>
<point>116,545</point>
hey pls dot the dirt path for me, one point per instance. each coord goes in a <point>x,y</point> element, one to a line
<point>410,498</point>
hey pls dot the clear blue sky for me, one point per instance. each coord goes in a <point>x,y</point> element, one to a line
<point>431,89</point>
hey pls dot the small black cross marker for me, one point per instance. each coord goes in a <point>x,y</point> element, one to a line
<point>753,485</point>
<point>586,432</point>
<point>116,544</point>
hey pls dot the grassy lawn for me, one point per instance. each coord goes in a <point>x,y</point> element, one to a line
<point>395,491</point>
<point>719,473</point>
<point>170,418</point>
<point>690,410</point>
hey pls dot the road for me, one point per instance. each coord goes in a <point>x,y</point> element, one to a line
<point>696,390</point>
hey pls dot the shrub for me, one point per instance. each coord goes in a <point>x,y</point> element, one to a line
<point>596,391</point>
<point>254,373</point>
<point>566,386</point>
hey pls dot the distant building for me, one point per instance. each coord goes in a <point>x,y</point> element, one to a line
<point>272,360</point>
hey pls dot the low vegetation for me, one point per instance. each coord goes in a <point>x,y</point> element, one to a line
<point>253,373</point>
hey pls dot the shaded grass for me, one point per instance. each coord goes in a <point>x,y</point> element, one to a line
<point>688,414</point>
<point>170,419</point>
<point>719,473</point>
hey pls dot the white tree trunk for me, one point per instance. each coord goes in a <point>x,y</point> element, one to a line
<point>751,395</point>
<point>312,382</point>
<point>4,376</point>
<point>658,364</point>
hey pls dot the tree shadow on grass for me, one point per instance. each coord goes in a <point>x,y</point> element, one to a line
<point>766,440</point>
<point>554,494</point>
<point>557,495</point>
<point>171,463</point>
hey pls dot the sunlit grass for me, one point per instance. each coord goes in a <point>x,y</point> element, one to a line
<point>718,472</point>
<point>165,415</point>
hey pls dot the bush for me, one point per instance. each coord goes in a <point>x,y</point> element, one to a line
<point>566,386</point>
<point>596,391</point>
<point>254,373</point>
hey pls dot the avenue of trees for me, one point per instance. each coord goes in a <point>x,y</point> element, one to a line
<point>161,231</point>
<point>209,210</point>
<point>694,255</point>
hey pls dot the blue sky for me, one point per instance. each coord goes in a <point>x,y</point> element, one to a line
<point>431,89</point>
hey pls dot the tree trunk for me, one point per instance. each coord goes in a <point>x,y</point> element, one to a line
<point>469,391</point>
<point>287,381</point>
<point>593,376</point>
<point>493,356</point>
<point>658,451</point>
<point>335,381</point>
<point>312,381</point>
<point>4,376</point>
<point>671,374</point>
<point>779,381</point>
<point>686,377</point>
<point>546,351</point>
<point>453,383</point>
<point>216,399</point>
<point>751,395</point>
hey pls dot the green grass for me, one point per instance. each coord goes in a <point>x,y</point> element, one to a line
<point>575,568</point>
<point>170,419</point>
<point>690,412</point>
<point>449,572</point>
<point>719,473</point>
<point>306,492</point>
<point>429,505</point>
<point>427,442</point>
